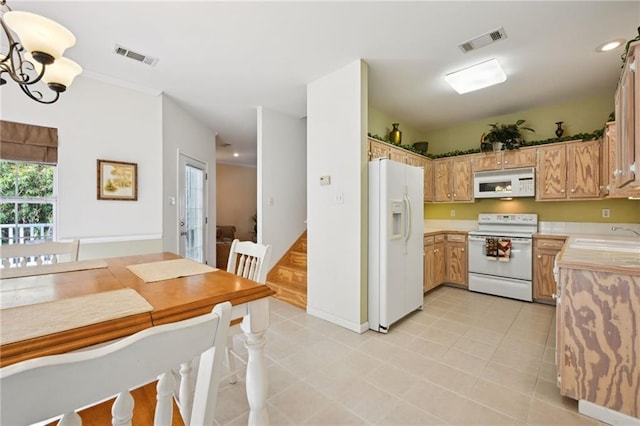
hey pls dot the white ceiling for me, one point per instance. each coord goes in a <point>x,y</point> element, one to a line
<point>220,60</point>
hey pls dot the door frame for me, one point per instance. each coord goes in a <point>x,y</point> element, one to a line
<point>205,201</point>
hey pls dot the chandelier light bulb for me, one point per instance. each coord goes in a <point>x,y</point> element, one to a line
<point>44,38</point>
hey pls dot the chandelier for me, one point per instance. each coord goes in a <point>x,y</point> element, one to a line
<point>35,53</point>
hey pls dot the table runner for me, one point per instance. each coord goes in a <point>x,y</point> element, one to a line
<point>41,319</point>
<point>168,269</point>
<point>55,268</point>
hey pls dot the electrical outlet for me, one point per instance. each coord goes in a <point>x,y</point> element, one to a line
<point>453,213</point>
<point>606,213</point>
<point>339,198</point>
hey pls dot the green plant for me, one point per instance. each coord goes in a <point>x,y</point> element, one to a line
<point>509,134</point>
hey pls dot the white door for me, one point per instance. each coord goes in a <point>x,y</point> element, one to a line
<point>192,215</point>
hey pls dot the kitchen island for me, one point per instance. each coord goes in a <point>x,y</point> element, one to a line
<point>597,329</point>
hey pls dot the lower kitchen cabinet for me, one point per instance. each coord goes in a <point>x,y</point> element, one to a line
<point>434,266</point>
<point>545,250</point>
<point>457,271</point>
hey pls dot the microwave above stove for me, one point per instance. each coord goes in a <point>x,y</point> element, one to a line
<point>505,183</point>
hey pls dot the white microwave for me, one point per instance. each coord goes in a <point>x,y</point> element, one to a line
<point>505,183</point>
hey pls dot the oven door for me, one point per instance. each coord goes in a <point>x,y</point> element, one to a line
<point>518,266</point>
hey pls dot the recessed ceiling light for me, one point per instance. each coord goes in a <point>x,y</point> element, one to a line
<point>476,77</point>
<point>235,154</point>
<point>610,45</point>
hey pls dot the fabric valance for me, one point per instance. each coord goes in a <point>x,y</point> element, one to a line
<point>26,142</point>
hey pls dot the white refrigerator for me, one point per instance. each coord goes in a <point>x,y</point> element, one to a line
<point>396,229</point>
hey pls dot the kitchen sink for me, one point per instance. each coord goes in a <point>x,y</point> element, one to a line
<point>625,246</point>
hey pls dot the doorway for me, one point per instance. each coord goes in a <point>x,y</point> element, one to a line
<point>192,212</point>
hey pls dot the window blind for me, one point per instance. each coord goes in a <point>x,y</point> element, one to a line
<point>27,142</point>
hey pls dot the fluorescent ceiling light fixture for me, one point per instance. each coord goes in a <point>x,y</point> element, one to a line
<point>476,77</point>
<point>235,154</point>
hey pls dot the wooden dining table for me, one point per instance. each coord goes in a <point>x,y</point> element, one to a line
<point>171,300</point>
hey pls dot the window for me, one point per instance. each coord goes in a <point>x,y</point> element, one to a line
<point>27,202</point>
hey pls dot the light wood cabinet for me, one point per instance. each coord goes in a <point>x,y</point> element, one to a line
<point>597,355</point>
<point>456,260</point>
<point>512,159</point>
<point>627,108</point>
<point>378,149</point>
<point>545,250</point>
<point>568,171</point>
<point>453,179</point>
<point>428,180</point>
<point>609,167</point>
<point>434,264</point>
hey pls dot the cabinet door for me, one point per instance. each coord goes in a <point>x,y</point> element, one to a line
<point>552,172</point>
<point>462,179</point>
<point>398,154</point>
<point>414,160</point>
<point>442,177</point>
<point>456,260</point>
<point>584,169</point>
<point>625,105</point>
<point>438,263</point>
<point>523,157</point>
<point>378,149</point>
<point>429,255</point>
<point>487,161</point>
<point>544,284</point>
<point>428,180</point>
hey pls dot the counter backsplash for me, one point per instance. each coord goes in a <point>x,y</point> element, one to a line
<point>564,228</point>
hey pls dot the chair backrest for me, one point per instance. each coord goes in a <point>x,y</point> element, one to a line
<point>19,255</point>
<point>41,388</point>
<point>249,260</point>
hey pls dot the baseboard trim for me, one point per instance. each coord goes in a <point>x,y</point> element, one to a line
<point>358,328</point>
<point>606,415</point>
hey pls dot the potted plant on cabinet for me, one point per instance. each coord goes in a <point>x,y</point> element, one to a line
<point>504,136</point>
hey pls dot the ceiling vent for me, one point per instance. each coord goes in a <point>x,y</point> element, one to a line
<point>483,40</point>
<point>145,59</point>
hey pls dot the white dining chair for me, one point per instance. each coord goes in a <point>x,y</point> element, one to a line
<point>43,388</point>
<point>20,255</point>
<point>249,260</point>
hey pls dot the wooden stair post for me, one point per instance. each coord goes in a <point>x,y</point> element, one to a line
<point>288,278</point>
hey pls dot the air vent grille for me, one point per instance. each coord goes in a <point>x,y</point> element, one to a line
<point>483,40</point>
<point>127,53</point>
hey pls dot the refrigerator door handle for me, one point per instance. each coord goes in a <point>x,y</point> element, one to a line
<point>408,217</point>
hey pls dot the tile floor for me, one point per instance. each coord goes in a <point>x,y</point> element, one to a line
<point>467,358</point>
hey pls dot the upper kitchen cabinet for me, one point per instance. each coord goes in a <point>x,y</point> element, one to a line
<point>609,166</point>
<point>512,159</point>
<point>378,149</point>
<point>568,171</point>
<point>428,180</point>
<point>627,105</point>
<point>452,179</point>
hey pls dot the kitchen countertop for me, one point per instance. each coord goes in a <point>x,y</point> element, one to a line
<point>601,252</point>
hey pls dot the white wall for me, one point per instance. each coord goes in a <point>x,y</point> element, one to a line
<point>96,120</point>
<point>337,230</point>
<point>181,133</point>
<point>282,180</point>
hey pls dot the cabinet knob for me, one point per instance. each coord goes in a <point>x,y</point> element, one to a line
<point>562,190</point>
<point>573,190</point>
<point>463,250</point>
<point>506,162</point>
<point>499,163</point>
<point>539,257</point>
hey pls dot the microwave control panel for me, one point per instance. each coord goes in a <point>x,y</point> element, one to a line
<point>526,185</point>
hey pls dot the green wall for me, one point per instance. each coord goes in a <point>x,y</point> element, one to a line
<point>622,210</point>
<point>380,124</point>
<point>579,116</point>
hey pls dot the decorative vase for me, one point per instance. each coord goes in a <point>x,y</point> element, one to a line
<point>559,130</point>
<point>395,135</point>
<point>497,146</point>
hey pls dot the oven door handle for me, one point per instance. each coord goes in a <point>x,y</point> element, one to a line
<point>514,240</point>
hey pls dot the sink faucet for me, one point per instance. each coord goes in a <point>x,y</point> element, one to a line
<point>615,228</point>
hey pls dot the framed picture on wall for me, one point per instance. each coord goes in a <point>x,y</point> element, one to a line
<point>117,180</point>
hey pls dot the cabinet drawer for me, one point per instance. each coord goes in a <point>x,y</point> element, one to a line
<point>428,240</point>
<point>456,238</point>
<point>549,244</point>
<point>439,238</point>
